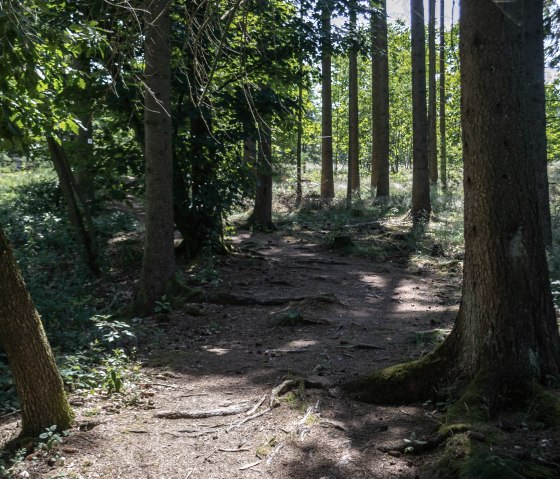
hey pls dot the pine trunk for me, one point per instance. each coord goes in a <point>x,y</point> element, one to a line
<point>327,177</point>
<point>442,125</point>
<point>158,261</point>
<point>380,101</point>
<point>353,124</point>
<point>421,206</point>
<point>262,213</point>
<point>432,101</point>
<point>39,385</point>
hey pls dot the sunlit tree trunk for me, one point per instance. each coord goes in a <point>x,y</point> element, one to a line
<point>38,383</point>
<point>432,100</point>
<point>158,262</point>
<point>380,100</point>
<point>421,206</point>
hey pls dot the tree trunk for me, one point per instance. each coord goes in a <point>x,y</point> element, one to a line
<point>505,339</point>
<point>39,385</point>
<point>442,129</point>
<point>432,100</point>
<point>353,124</point>
<point>536,108</point>
<point>80,219</point>
<point>262,213</point>
<point>327,177</point>
<point>421,206</point>
<point>380,101</point>
<point>298,146</point>
<point>158,262</point>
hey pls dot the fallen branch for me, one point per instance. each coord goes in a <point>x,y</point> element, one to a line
<point>258,405</point>
<point>275,451</point>
<point>222,411</point>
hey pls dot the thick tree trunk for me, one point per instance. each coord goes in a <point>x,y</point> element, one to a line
<point>380,101</point>
<point>353,123</point>
<point>442,129</point>
<point>505,339</point>
<point>39,385</point>
<point>158,261</point>
<point>421,206</point>
<point>535,104</point>
<point>327,178</point>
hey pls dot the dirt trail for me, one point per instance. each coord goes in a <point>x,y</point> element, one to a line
<point>227,356</point>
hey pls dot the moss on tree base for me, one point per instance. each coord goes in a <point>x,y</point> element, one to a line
<point>403,383</point>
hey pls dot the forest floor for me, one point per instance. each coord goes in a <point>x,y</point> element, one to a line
<point>256,378</point>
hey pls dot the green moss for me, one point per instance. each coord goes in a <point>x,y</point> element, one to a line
<point>473,406</point>
<point>404,383</point>
<point>545,408</point>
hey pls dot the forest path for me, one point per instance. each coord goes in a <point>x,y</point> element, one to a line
<point>214,358</point>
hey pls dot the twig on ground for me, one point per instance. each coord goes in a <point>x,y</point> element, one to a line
<point>258,405</point>
<point>240,449</point>
<point>360,346</point>
<point>250,465</point>
<point>275,451</point>
<point>247,419</point>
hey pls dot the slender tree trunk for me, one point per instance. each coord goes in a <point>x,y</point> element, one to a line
<point>327,177</point>
<point>353,124</point>
<point>38,383</point>
<point>536,107</point>
<point>80,219</point>
<point>262,213</point>
<point>380,100</point>
<point>158,261</point>
<point>432,100</point>
<point>421,206</point>
<point>442,129</point>
<point>298,147</point>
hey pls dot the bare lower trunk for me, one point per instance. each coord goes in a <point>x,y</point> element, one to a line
<point>353,124</point>
<point>442,131</point>
<point>432,132</point>
<point>380,102</point>
<point>38,383</point>
<point>327,179</point>
<point>158,261</point>
<point>421,206</point>
<point>298,147</point>
<point>262,213</point>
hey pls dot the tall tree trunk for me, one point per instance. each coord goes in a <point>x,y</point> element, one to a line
<point>353,124</point>
<point>38,383</point>
<point>298,146</point>
<point>262,213</point>
<point>421,206</point>
<point>158,262</point>
<point>536,107</point>
<point>442,129</point>
<point>380,100</point>
<point>80,218</point>
<point>327,177</point>
<point>432,100</point>
<point>505,339</point>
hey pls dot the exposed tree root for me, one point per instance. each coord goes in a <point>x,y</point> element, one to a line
<point>223,411</point>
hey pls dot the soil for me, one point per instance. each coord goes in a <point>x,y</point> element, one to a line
<point>335,316</point>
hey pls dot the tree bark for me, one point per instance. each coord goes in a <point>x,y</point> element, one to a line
<point>299,142</point>
<point>38,383</point>
<point>353,123</point>
<point>536,108</point>
<point>158,262</point>
<point>262,213</point>
<point>442,123</point>
<point>80,219</point>
<point>505,339</point>
<point>380,100</point>
<point>432,100</point>
<point>421,206</point>
<point>327,177</point>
